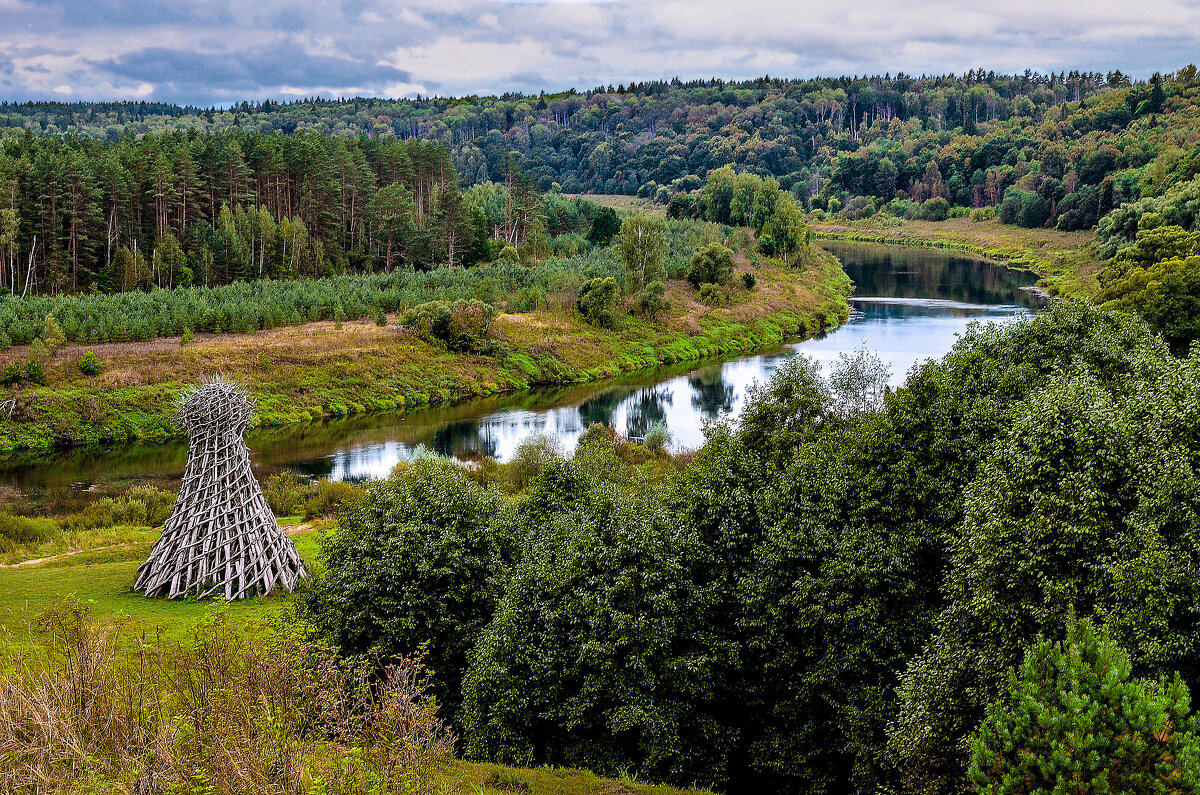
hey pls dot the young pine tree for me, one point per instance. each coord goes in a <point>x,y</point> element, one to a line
<point>1073,721</point>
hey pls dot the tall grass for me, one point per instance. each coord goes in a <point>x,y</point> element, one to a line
<point>229,713</point>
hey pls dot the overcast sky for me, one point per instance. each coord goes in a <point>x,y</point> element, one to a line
<point>223,51</point>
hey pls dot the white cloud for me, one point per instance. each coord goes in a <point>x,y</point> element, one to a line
<point>490,46</point>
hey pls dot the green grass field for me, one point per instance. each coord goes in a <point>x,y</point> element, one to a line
<point>103,578</point>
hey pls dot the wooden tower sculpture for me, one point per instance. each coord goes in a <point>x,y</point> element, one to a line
<point>221,534</point>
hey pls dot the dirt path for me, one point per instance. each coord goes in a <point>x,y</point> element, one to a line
<point>60,556</point>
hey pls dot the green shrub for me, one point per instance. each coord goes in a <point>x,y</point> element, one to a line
<point>327,496</point>
<point>143,506</point>
<point>156,503</point>
<point>658,437</point>
<point>604,227</point>
<point>20,530</point>
<point>597,299</point>
<point>285,493</point>
<point>463,326</point>
<point>1166,295</point>
<point>935,209</point>
<point>419,559</point>
<point>89,364</point>
<point>52,335</point>
<point>12,374</point>
<point>1073,720</point>
<point>187,336</point>
<point>713,294</point>
<point>531,458</point>
<point>749,280</point>
<point>578,659</point>
<point>652,299</point>
<point>1024,208</point>
<point>712,264</point>
<point>35,373</point>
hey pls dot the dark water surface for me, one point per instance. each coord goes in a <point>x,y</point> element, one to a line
<point>909,305</point>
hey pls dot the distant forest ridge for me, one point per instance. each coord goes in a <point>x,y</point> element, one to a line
<point>622,139</point>
<point>114,196</point>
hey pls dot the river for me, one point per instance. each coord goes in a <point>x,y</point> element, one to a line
<point>909,305</point>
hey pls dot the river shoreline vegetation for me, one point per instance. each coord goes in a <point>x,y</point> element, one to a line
<point>984,580</point>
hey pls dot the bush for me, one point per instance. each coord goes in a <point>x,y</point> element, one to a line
<point>285,493</point>
<point>935,209</point>
<point>327,496</point>
<point>1166,295</point>
<point>579,665</point>
<point>748,280</point>
<point>187,336</point>
<point>1024,208</point>
<point>463,326</point>
<point>713,294</point>
<point>52,335</point>
<point>21,530</point>
<point>712,264</point>
<point>89,364</point>
<point>597,299</point>
<point>658,437</point>
<point>604,227</point>
<point>651,299</point>
<point>35,373</point>
<point>532,457</point>
<point>419,559</point>
<point>12,374</point>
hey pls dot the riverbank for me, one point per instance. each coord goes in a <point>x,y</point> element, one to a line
<point>1065,261</point>
<point>322,369</point>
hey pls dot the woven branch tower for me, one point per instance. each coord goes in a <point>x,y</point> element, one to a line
<point>221,535</point>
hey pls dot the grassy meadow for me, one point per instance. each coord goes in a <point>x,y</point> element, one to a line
<point>326,368</point>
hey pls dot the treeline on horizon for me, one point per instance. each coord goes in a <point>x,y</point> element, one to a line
<point>1063,149</point>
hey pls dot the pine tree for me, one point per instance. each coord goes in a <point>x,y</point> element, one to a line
<point>1073,721</point>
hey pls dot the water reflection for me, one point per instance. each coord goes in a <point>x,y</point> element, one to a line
<point>909,306</point>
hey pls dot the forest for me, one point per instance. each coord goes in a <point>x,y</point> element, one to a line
<point>115,197</point>
<point>1060,148</point>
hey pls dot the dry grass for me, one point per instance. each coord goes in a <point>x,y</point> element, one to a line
<point>225,714</point>
<point>626,204</point>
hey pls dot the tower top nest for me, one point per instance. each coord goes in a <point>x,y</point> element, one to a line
<point>215,406</point>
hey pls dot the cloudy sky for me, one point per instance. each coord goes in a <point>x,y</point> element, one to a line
<point>223,51</point>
